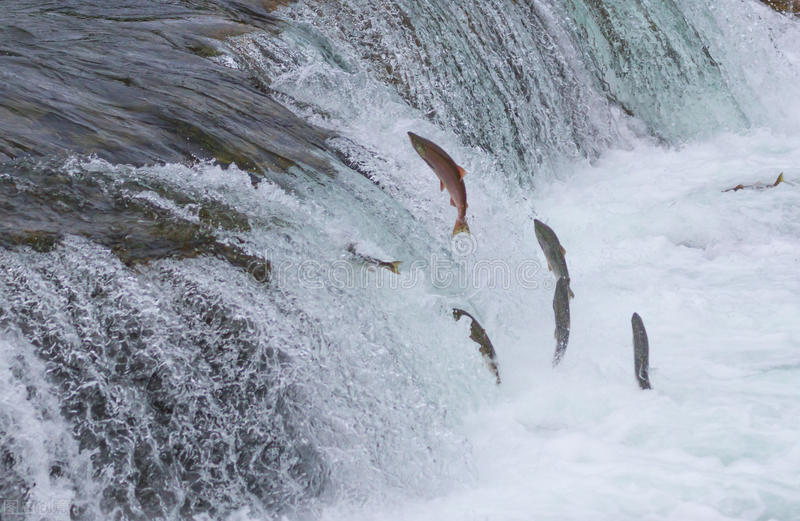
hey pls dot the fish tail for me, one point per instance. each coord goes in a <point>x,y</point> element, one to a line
<point>461,226</point>
<point>394,267</point>
<point>779,180</point>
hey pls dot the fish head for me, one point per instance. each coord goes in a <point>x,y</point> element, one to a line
<point>541,230</point>
<point>419,144</point>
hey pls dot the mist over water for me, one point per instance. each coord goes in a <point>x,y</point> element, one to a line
<point>185,335</point>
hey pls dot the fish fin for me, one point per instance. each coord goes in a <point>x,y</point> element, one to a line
<point>779,180</point>
<point>461,172</point>
<point>452,203</point>
<point>563,251</point>
<point>549,268</point>
<point>441,185</point>
<point>571,294</point>
<point>460,227</point>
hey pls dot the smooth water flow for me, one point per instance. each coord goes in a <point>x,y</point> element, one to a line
<point>187,333</point>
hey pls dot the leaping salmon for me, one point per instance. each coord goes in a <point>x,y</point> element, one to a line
<point>451,176</point>
<point>641,352</point>
<point>393,266</point>
<point>479,336</point>
<point>553,252</point>
<point>756,186</point>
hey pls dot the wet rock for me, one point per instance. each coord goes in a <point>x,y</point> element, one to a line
<point>225,218</point>
<point>40,208</point>
<point>142,89</point>
<point>185,405</point>
<point>271,5</point>
<point>784,6</point>
<point>40,241</point>
<point>206,51</point>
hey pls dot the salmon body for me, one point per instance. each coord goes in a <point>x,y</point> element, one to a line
<point>757,186</point>
<point>479,336</point>
<point>393,266</point>
<point>641,352</point>
<point>451,176</point>
<point>553,252</point>
<point>561,310</point>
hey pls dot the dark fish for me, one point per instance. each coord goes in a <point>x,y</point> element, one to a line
<point>478,334</point>
<point>756,186</point>
<point>451,176</point>
<point>553,252</point>
<point>641,352</point>
<point>561,309</point>
<point>393,266</point>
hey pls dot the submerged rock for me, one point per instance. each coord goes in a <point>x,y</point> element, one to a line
<point>172,379</point>
<point>14,488</point>
<point>182,399</point>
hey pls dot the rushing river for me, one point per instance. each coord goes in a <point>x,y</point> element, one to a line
<point>186,332</point>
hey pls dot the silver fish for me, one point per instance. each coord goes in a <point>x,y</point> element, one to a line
<point>561,310</point>
<point>553,252</point>
<point>393,266</point>
<point>641,352</point>
<point>479,336</point>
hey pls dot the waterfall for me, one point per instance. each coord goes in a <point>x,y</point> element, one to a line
<point>530,83</point>
<point>183,330</point>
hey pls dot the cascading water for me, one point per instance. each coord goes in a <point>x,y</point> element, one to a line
<point>525,81</point>
<point>182,340</point>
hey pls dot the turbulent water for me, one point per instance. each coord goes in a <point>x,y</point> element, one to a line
<point>185,332</point>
